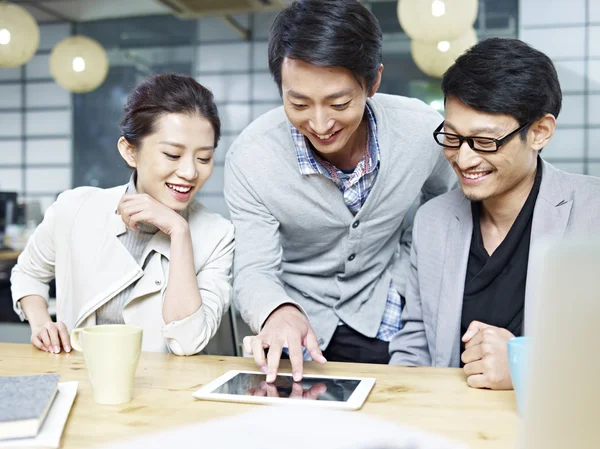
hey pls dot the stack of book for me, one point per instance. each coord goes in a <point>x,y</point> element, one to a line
<point>31,406</point>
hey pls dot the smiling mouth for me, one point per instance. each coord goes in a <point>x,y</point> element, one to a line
<point>179,189</point>
<point>325,136</point>
<point>474,174</point>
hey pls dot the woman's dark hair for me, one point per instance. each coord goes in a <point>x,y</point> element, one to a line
<point>327,33</point>
<point>164,94</point>
<point>505,76</point>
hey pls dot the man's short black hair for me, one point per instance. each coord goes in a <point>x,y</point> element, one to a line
<point>505,76</point>
<point>327,33</point>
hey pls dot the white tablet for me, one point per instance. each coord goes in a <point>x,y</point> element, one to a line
<point>347,393</point>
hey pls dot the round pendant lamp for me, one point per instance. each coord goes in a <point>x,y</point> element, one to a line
<point>437,20</point>
<point>79,64</point>
<point>19,35</point>
<point>434,58</point>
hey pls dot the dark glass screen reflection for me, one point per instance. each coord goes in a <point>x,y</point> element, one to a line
<point>321,389</point>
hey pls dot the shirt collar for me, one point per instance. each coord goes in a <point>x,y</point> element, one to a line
<point>142,226</point>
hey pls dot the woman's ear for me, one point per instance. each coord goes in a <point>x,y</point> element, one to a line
<point>128,152</point>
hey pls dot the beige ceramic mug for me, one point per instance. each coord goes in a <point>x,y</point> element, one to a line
<point>111,355</point>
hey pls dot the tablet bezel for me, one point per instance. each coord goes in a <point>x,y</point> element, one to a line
<point>354,402</point>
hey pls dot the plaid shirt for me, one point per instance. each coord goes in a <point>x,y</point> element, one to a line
<point>355,187</point>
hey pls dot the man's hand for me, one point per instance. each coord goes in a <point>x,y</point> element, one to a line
<point>486,356</point>
<point>288,328</point>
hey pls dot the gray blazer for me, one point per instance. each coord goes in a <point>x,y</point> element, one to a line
<point>442,232</point>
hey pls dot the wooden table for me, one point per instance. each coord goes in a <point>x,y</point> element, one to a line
<point>431,399</point>
<point>9,254</point>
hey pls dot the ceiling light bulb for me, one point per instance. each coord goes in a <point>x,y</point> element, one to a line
<point>438,8</point>
<point>443,46</point>
<point>78,64</point>
<point>4,36</point>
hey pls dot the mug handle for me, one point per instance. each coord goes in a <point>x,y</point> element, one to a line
<point>75,343</point>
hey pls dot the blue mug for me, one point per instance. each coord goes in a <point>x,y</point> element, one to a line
<point>518,359</point>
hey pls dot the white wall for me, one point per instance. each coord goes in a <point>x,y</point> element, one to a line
<point>569,32</point>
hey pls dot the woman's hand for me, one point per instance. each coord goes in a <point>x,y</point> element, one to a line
<point>45,334</point>
<point>136,207</point>
<point>51,337</point>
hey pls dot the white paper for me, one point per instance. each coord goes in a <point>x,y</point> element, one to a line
<point>54,424</point>
<point>291,427</point>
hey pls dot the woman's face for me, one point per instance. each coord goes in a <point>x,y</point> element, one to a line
<point>175,161</point>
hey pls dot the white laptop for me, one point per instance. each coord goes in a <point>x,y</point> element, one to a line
<point>562,407</point>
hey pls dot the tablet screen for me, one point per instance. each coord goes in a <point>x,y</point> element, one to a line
<point>311,388</point>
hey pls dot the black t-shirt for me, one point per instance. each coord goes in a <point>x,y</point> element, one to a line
<point>495,285</point>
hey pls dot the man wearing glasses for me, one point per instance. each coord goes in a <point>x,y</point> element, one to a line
<point>466,291</point>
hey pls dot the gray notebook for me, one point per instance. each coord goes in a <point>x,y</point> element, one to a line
<point>24,404</point>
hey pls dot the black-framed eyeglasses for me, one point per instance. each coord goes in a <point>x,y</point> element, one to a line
<point>483,144</point>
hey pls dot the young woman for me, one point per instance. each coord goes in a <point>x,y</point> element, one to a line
<point>146,253</point>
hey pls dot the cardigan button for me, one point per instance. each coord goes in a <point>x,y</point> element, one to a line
<point>157,282</point>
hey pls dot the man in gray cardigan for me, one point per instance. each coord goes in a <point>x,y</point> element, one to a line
<point>467,291</point>
<point>320,192</point>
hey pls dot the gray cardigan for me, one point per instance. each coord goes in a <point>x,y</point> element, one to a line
<point>296,240</point>
<point>566,204</point>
